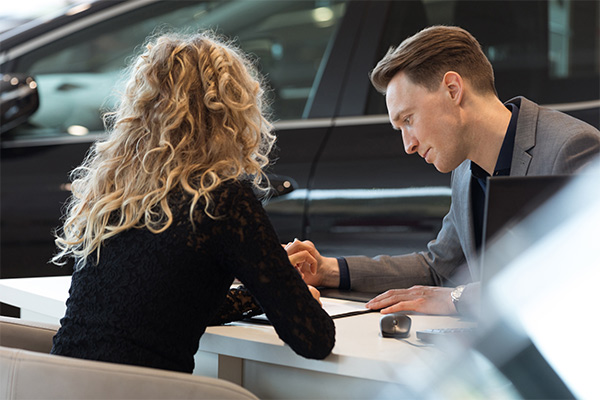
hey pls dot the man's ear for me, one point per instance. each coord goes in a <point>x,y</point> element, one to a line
<point>454,85</point>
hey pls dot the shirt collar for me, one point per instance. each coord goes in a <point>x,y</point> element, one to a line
<point>506,151</point>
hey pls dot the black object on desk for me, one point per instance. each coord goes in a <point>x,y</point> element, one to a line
<point>350,295</point>
<point>396,325</point>
<point>334,314</point>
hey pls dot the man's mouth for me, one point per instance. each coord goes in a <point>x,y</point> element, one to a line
<point>426,153</point>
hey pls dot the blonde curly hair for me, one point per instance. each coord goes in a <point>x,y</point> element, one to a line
<point>192,116</point>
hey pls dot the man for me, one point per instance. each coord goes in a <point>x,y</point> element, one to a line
<point>441,97</point>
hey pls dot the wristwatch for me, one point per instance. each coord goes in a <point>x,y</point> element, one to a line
<point>456,293</point>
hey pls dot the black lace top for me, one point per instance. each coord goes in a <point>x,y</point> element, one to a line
<point>151,296</point>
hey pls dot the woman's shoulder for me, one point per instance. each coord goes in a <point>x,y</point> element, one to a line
<point>224,189</point>
<point>236,192</point>
<point>228,197</point>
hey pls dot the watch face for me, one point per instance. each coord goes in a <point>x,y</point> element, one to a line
<point>456,293</point>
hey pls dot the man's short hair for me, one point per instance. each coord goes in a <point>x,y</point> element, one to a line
<point>426,56</point>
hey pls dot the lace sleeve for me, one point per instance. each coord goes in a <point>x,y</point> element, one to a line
<point>239,304</point>
<point>249,247</point>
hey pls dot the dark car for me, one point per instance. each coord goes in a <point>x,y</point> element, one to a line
<point>341,177</point>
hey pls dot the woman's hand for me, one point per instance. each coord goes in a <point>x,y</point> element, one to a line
<point>315,293</point>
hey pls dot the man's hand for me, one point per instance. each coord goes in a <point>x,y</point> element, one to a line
<point>423,299</point>
<point>324,272</point>
<point>303,261</point>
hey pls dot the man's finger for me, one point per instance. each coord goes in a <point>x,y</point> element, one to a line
<point>386,298</point>
<point>401,306</point>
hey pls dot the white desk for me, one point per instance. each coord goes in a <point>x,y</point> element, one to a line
<point>362,365</point>
<point>40,299</point>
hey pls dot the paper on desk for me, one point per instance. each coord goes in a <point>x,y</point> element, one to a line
<point>341,308</point>
<point>336,308</point>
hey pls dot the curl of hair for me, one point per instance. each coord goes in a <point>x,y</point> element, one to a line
<point>192,115</point>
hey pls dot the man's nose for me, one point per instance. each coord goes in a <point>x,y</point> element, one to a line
<point>410,143</point>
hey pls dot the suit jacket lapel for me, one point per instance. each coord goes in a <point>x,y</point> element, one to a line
<point>524,137</point>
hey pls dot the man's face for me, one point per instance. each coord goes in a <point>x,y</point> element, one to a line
<point>429,122</point>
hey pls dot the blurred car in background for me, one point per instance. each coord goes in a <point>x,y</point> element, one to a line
<point>341,177</point>
<point>16,14</point>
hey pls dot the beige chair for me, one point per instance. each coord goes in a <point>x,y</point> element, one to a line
<point>28,374</point>
<point>26,335</point>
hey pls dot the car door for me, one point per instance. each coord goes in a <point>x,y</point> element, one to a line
<point>367,195</point>
<point>76,65</point>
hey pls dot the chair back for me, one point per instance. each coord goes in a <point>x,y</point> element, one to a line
<point>26,335</point>
<point>30,375</point>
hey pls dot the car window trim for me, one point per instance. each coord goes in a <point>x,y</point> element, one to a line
<point>53,141</point>
<point>332,78</point>
<point>356,84</point>
<point>574,106</point>
<point>279,126</point>
<point>68,29</point>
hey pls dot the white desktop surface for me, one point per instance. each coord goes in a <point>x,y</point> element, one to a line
<point>244,352</point>
<point>40,299</point>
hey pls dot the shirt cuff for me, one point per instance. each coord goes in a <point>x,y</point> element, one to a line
<point>344,274</point>
<point>469,303</point>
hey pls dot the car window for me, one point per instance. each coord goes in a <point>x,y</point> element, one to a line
<point>76,74</point>
<point>547,51</point>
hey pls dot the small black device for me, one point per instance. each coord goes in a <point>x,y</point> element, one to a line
<point>396,325</point>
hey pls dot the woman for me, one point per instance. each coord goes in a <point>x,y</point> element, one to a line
<point>163,216</point>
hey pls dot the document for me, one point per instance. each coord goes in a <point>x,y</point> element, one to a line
<point>336,308</point>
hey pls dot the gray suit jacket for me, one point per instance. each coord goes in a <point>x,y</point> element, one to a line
<point>547,142</point>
